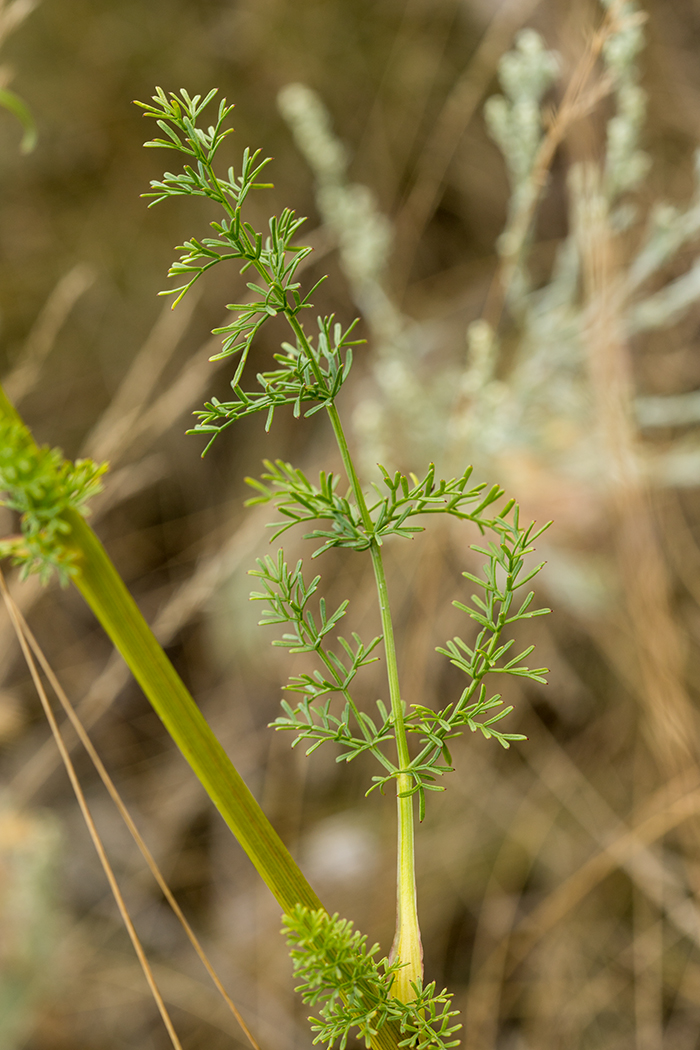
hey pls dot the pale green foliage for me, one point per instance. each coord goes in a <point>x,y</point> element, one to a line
<point>313,373</point>
<point>545,389</point>
<point>337,969</point>
<point>625,164</point>
<point>340,975</point>
<point>40,485</point>
<point>364,235</point>
<point>288,596</point>
<point>515,123</point>
<point>515,120</point>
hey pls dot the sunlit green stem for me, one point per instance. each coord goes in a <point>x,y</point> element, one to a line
<point>103,589</point>
<point>407,946</point>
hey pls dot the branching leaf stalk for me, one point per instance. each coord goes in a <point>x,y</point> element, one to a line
<point>310,373</point>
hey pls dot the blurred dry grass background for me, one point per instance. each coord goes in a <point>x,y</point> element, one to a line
<point>558,881</point>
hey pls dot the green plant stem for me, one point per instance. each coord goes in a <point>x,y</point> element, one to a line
<point>7,409</point>
<point>407,941</point>
<point>104,591</point>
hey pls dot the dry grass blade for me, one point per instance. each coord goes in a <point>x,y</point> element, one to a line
<point>13,14</point>
<point>496,919</point>
<point>94,834</point>
<point>655,875</point>
<point>649,828</point>
<point>40,341</point>
<point>126,817</point>
<point>670,719</point>
<point>452,122</point>
<point>44,761</point>
<point>26,592</point>
<point>111,435</point>
<point>190,996</point>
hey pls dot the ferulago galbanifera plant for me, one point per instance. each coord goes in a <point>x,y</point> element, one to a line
<point>386,1002</point>
<point>308,374</point>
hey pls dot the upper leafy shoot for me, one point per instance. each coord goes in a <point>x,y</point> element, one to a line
<point>306,373</point>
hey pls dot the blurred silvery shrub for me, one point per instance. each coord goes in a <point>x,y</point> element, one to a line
<point>538,408</point>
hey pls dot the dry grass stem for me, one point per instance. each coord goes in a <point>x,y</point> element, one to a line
<point>448,130</point>
<point>87,816</point>
<point>85,740</point>
<point>111,435</point>
<point>670,720</point>
<point>42,337</point>
<point>648,829</point>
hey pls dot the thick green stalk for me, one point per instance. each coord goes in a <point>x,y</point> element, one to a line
<point>103,589</point>
<point>407,946</point>
<point>7,409</point>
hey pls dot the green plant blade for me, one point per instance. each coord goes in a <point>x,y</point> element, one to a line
<point>14,104</point>
<point>104,591</point>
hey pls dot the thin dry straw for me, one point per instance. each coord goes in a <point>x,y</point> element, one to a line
<point>670,721</point>
<point>94,834</point>
<point>42,337</point>
<point>123,811</point>
<point>652,873</point>
<point>13,14</point>
<point>652,824</point>
<point>450,126</point>
<point>112,434</point>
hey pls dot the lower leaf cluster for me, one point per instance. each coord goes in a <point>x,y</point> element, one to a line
<point>340,975</point>
<point>314,721</point>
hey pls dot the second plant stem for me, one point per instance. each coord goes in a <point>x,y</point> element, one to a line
<point>407,948</point>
